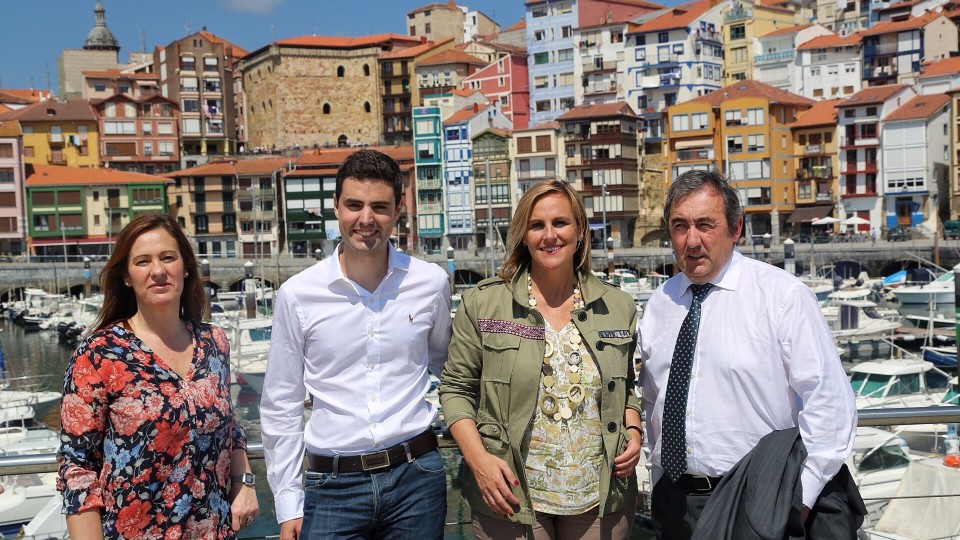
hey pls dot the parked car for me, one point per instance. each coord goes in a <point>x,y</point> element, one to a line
<point>895,234</point>
<point>951,229</point>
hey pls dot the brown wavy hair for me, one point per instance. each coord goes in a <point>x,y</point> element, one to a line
<point>119,301</point>
<point>519,255</point>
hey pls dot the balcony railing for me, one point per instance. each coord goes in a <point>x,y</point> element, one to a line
<point>783,55</point>
<point>429,208</point>
<point>737,14</point>
<point>429,183</point>
<point>695,154</point>
<point>600,88</point>
<point>606,65</point>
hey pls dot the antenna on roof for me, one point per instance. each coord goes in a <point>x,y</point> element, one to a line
<point>46,74</point>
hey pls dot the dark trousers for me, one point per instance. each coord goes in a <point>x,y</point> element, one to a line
<point>675,510</point>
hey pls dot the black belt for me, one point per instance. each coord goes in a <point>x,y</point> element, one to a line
<point>697,484</point>
<point>395,455</point>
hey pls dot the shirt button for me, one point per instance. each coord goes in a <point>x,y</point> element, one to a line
<point>374,425</point>
<point>371,333</point>
<point>689,450</point>
<point>689,412</point>
<point>372,399</point>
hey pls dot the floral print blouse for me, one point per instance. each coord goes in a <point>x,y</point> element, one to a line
<point>148,448</point>
<point>564,456</point>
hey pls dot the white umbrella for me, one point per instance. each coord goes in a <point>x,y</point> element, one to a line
<point>856,220</point>
<point>825,221</point>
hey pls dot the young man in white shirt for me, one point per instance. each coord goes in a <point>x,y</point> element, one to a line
<point>763,359</point>
<point>357,333</point>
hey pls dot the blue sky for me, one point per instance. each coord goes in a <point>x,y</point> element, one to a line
<point>35,32</point>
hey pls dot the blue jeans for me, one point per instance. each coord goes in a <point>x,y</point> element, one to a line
<point>408,501</point>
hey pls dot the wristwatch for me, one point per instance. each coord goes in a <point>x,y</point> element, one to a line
<point>247,479</point>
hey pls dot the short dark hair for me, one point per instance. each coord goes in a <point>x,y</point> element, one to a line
<point>369,164</point>
<point>695,180</point>
<point>119,301</point>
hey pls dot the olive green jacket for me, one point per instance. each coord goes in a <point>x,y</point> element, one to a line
<point>492,376</point>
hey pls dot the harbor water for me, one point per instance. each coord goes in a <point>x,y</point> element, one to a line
<point>40,354</point>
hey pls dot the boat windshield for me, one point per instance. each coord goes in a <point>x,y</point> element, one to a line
<point>260,334</point>
<point>873,385</point>
<point>952,397</point>
<point>886,457</point>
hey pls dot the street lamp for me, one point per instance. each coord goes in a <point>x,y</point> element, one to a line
<point>450,266</point>
<point>788,262</point>
<point>318,254</point>
<point>766,246</point>
<point>609,257</point>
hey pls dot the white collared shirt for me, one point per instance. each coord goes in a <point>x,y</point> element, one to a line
<point>362,356</point>
<point>765,360</point>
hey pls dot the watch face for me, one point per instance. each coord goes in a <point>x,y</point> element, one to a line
<point>249,479</point>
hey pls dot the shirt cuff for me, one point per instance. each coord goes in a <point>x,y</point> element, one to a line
<point>812,486</point>
<point>289,505</point>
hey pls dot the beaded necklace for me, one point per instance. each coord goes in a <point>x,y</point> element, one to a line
<point>553,402</point>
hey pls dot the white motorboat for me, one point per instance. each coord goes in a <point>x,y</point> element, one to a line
<point>939,291</point>
<point>19,406</point>
<point>249,347</point>
<point>897,382</point>
<point>22,499</point>
<point>860,320</point>
<point>877,464</point>
<point>932,437</point>
<point>925,507</point>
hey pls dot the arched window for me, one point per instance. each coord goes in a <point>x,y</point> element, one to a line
<point>343,141</point>
<point>340,71</point>
<point>366,106</point>
<point>366,70</point>
<point>326,108</point>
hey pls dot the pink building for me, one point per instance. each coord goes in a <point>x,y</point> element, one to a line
<point>506,84</point>
<point>139,135</point>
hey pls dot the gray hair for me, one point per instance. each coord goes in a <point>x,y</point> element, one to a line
<point>696,180</point>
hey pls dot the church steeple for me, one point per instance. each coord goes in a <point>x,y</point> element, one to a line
<point>100,37</point>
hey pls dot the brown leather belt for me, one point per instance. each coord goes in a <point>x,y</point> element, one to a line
<point>384,459</point>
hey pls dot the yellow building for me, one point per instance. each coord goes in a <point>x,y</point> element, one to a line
<point>743,130</point>
<point>58,133</point>
<point>815,149</point>
<point>742,22</point>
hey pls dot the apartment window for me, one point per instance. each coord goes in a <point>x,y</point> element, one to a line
<point>566,31</point>
<point>681,122</point>
<point>148,148</point>
<point>188,63</point>
<point>211,85</point>
<point>663,37</point>
<point>755,143</point>
<point>540,11</point>
<point>541,81</point>
<point>755,117</point>
<point>733,117</point>
<point>426,28</point>
<point>6,175</point>
<point>99,87</point>
<point>210,63</point>
<point>564,55</point>
<point>543,143</point>
<point>849,113</point>
<point>735,144</point>
<point>698,121</point>
<point>147,127</point>
<point>6,150</point>
<point>541,58</point>
<point>41,223</point>
<point>543,106</point>
<point>165,128</point>
<point>738,31</point>
<point>738,55</point>
<point>539,35</point>
<point>871,111</point>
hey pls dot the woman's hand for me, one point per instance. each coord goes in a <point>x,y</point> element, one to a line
<point>626,463</point>
<point>492,475</point>
<point>243,505</point>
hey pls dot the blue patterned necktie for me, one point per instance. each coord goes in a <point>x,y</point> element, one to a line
<point>673,455</point>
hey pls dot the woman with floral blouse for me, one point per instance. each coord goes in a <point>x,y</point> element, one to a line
<point>149,444</point>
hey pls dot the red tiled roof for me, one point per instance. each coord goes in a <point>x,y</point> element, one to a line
<point>823,113</point>
<point>873,94</point>
<point>337,42</point>
<point>678,17</point>
<point>919,107</point>
<point>71,109</point>
<point>19,95</point>
<point>750,88</point>
<point>947,66</point>
<point>451,56</point>
<point>597,110</point>
<point>229,167</point>
<point>464,92</point>
<point>333,157</point>
<point>56,175</point>
<point>4,108</point>
<point>465,113</point>
<point>238,52</point>
<point>414,51</point>
<point>910,23</point>
<point>829,41</point>
<point>788,30</point>
<point>900,5</point>
<point>516,26</point>
<point>541,126</point>
<point>449,5</point>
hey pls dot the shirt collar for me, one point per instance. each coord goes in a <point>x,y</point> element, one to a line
<point>728,278</point>
<point>395,261</point>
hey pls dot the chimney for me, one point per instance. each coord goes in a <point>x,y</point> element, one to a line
<point>476,107</point>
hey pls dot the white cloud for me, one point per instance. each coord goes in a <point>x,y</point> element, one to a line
<point>251,6</point>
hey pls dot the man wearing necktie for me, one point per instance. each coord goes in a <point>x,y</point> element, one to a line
<point>732,349</point>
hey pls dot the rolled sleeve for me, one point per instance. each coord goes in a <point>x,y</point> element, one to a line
<point>438,341</point>
<point>281,409</point>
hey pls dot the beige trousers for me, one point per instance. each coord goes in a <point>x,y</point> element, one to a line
<point>588,525</point>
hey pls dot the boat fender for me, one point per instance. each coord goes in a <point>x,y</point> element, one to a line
<point>953,460</point>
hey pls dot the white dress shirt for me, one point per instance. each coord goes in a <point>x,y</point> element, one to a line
<point>362,356</point>
<point>765,360</point>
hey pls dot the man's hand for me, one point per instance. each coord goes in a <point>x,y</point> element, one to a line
<point>290,530</point>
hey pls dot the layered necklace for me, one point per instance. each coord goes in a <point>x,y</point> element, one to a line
<point>559,401</point>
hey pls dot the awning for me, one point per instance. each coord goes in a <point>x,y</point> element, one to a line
<point>698,143</point>
<point>809,213</point>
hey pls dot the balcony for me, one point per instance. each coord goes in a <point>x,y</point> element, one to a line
<point>429,208</point>
<point>429,183</point>
<point>666,59</point>
<point>650,82</point>
<point>258,215</point>
<point>695,154</point>
<point>600,88</point>
<point>738,14</point>
<point>706,35</point>
<point>593,66</point>
<point>769,57</point>
<point>574,134</point>
<point>260,193</point>
<point>880,72</point>
<point>821,172</point>
<point>536,174</point>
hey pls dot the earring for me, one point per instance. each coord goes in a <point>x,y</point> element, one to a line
<point>186,274</point>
